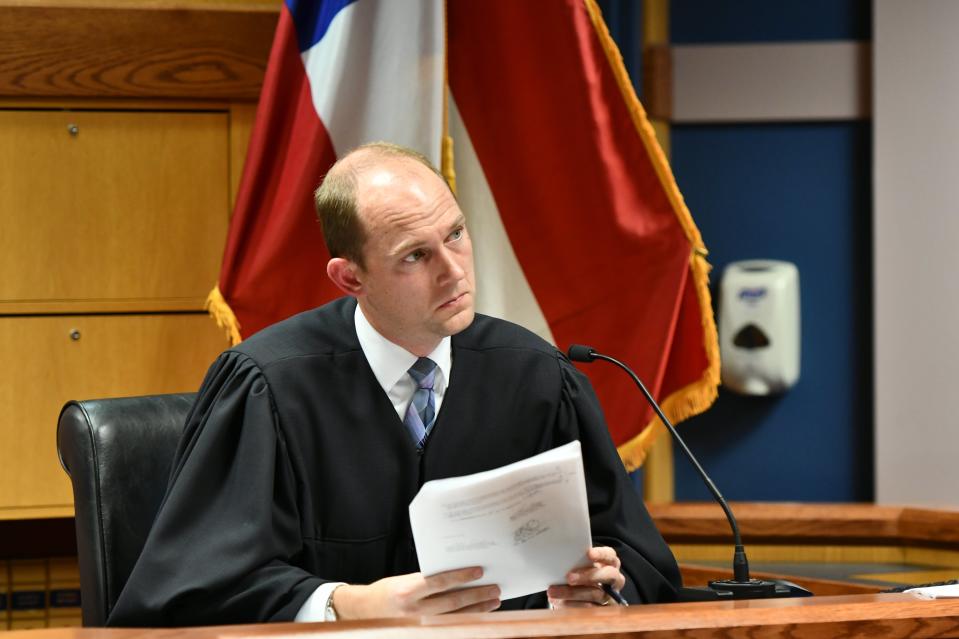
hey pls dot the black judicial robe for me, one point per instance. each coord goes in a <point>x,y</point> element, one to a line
<point>294,469</point>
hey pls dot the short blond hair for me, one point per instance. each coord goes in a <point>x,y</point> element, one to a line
<point>336,201</point>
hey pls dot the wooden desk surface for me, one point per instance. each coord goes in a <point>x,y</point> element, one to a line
<point>881,615</point>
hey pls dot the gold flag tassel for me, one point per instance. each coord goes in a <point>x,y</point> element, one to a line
<point>693,398</point>
<point>220,310</point>
<point>446,149</point>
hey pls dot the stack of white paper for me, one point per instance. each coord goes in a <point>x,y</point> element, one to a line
<point>526,524</point>
<point>936,592</point>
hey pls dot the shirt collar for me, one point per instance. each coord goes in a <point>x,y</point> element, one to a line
<point>390,362</point>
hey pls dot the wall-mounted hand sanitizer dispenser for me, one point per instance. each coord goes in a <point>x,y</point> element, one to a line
<point>759,326</point>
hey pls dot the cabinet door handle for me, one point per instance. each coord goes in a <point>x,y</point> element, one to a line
<point>74,334</point>
<point>73,129</point>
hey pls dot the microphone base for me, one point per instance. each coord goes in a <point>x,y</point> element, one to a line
<point>757,589</point>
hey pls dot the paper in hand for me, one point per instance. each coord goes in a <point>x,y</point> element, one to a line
<point>526,524</point>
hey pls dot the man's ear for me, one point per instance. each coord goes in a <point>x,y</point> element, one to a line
<point>345,274</point>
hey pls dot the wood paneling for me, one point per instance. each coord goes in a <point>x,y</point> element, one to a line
<point>61,307</point>
<point>135,49</point>
<point>123,131</point>
<point>929,524</point>
<point>131,206</point>
<point>759,522</point>
<point>810,523</point>
<point>110,104</point>
<point>45,366</point>
<point>658,81</point>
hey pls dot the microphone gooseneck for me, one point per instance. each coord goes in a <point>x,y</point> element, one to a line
<point>582,353</point>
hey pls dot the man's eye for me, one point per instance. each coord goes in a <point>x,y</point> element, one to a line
<point>455,235</point>
<point>415,256</point>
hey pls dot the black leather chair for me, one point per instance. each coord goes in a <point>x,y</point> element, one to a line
<point>118,453</point>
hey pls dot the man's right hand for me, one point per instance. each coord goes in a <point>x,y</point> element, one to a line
<point>416,594</point>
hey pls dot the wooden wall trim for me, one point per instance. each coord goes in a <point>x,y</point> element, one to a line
<point>807,523</point>
<point>135,50</point>
<point>658,81</point>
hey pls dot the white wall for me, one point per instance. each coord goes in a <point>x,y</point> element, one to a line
<point>916,229</point>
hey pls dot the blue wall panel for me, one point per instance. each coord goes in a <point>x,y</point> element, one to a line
<point>796,192</point>
<point>624,19</point>
<point>714,21</point>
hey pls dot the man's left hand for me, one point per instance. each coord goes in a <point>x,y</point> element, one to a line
<point>584,585</point>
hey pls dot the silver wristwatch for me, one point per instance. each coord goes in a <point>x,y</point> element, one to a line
<point>329,613</point>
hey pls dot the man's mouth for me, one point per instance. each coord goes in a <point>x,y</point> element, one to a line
<point>452,301</point>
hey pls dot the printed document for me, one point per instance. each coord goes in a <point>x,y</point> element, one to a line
<point>949,591</point>
<point>526,524</point>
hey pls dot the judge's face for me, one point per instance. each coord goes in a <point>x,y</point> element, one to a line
<point>416,286</point>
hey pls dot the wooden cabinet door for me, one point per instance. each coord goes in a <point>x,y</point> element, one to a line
<point>50,360</point>
<point>111,210</point>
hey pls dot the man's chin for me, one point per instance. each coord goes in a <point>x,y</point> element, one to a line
<point>460,321</point>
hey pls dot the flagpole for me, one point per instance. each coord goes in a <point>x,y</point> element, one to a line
<point>658,472</point>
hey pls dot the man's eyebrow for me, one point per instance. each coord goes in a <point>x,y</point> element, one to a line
<point>408,245</point>
<point>405,247</point>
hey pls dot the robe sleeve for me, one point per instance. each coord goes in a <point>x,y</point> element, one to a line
<point>618,517</point>
<point>223,545</point>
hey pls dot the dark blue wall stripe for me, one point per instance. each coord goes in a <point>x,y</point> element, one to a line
<point>703,21</point>
<point>312,18</point>
<point>624,18</point>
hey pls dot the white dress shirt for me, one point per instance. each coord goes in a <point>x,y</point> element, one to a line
<point>390,364</point>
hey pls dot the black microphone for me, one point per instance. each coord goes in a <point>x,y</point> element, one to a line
<point>740,586</point>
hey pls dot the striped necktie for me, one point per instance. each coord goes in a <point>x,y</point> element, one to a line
<point>422,410</point>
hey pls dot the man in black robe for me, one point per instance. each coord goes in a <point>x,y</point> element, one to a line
<point>290,489</point>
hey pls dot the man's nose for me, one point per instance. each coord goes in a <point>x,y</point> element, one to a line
<point>450,268</point>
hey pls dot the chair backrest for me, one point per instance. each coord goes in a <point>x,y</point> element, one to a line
<point>118,453</point>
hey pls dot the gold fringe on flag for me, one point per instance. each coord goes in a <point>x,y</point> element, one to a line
<point>446,148</point>
<point>220,310</point>
<point>700,395</point>
<point>447,168</point>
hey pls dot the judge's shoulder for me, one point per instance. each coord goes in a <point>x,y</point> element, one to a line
<point>319,332</point>
<point>494,334</point>
<point>329,330</point>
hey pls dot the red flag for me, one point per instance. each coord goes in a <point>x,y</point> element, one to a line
<point>340,73</point>
<point>588,202</point>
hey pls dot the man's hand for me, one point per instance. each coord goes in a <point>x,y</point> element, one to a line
<point>416,594</point>
<point>584,585</point>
